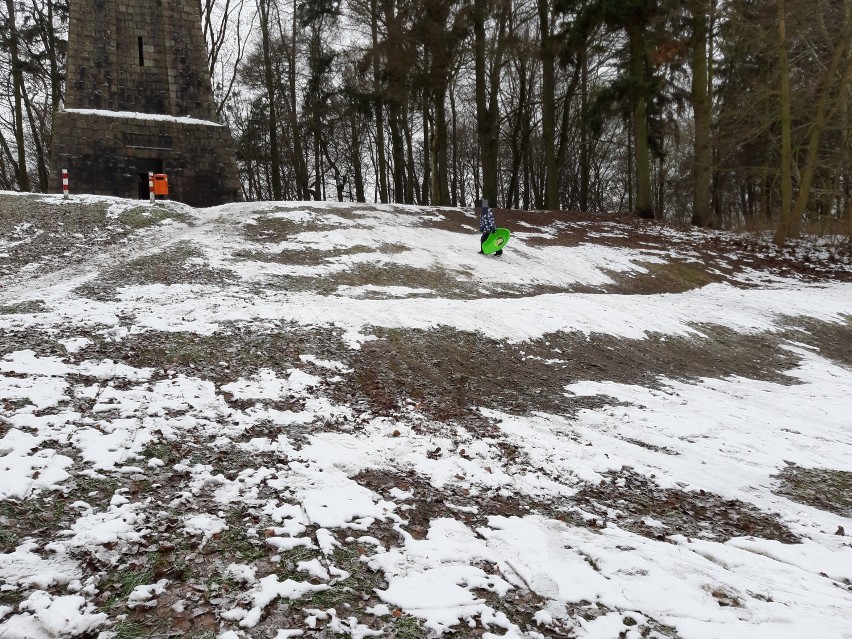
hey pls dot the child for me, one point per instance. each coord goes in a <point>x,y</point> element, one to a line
<point>486,223</point>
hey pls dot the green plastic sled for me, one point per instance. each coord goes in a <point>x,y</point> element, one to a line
<point>496,241</point>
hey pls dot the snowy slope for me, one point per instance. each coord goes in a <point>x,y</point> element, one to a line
<point>297,419</point>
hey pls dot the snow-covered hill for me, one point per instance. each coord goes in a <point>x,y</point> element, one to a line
<point>317,419</point>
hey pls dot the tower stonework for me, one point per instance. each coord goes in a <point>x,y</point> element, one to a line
<point>138,100</point>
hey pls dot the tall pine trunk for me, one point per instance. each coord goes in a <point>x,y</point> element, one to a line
<point>644,205</point>
<point>786,158</point>
<point>440,142</point>
<point>585,168</point>
<point>486,120</point>
<point>702,211</point>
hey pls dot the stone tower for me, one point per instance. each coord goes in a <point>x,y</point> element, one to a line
<point>138,99</point>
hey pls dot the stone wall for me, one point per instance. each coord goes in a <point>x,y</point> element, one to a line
<point>110,155</point>
<point>132,55</point>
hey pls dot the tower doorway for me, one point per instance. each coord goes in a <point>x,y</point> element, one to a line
<point>144,167</point>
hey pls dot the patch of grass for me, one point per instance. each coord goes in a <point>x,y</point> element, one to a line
<point>290,560</point>
<point>162,452</point>
<point>9,538</point>
<point>145,215</point>
<point>236,541</point>
<point>335,596</point>
<point>171,563</point>
<point>180,263</point>
<point>30,306</point>
<point>450,285</point>
<point>361,579</point>
<point>120,584</point>
<point>95,492</point>
<point>833,339</point>
<point>460,365</point>
<point>11,597</point>
<point>280,229</point>
<point>32,516</point>
<point>674,276</point>
<point>234,351</point>
<point>127,580</point>
<point>17,404</point>
<point>725,598</point>
<point>823,488</point>
<point>406,627</point>
<point>128,630</point>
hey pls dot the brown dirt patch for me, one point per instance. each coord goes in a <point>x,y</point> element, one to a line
<point>55,234</point>
<point>450,372</point>
<point>181,263</point>
<point>636,498</point>
<point>313,256</point>
<point>633,499</point>
<point>833,340</point>
<point>234,351</point>
<point>281,229</point>
<point>823,488</point>
<point>429,503</point>
<point>728,252</point>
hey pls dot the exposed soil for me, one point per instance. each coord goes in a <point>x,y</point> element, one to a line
<point>822,488</point>
<point>281,229</point>
<point>728,252</point>
<point>450,372</point>
<point>636,500</point>
<point>180,263</point>
<point>624,498</point>
<point>446,374</point>
<point>832,340</point>
<point>53,234</point>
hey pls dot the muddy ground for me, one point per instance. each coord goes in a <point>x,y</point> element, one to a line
<point>461,373</point>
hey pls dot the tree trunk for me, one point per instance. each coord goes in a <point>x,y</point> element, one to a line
<point>410,174</point>
<point>513,195</point>
<point>644,206</point>
<point>585,169</point>
<point>786,158</point>
<point>51,40</point>
<point>818,125</point>
<point>440,179</point>
<point>397,153</point>
<point>548,133</point>
<point>630,171</point>
<point>300,168</point>
<point>702,211</point>
<point>429,154</point>
<point>37,128</point>
<point>379,106</point>
<point>270,82</point>
<point>456,197</point>
<point>17,88</point>
<point>486,117</point>
<point>357,167</point>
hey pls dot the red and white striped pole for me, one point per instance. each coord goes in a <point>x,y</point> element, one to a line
<point>151,185</point>
<point>65,184</point>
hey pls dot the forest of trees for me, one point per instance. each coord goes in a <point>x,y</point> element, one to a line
<point>720,113</point>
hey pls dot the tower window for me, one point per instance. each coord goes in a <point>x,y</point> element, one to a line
<point>141,52</point>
